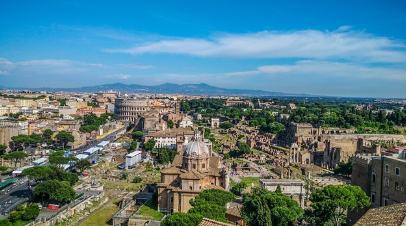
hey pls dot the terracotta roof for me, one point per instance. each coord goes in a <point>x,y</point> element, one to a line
<point>385,215</point>
<point>210,222</point>
<point>171,170</point>
<point>177,161</point>
<point>194,175</point>
<point>183,131</point>
<point>235,210</point>
<point>215,162</point>
<point>214,172</point>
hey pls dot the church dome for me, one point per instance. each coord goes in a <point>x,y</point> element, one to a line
<point>196,147</point>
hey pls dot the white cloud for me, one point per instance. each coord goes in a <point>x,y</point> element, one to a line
<point>328,69</point>
<point>4,72</point>
<point>344,28</point>
<point>119,76</point>
<point>311,44</point>
<point>58,67</point>
<point>242,73</point>
<point>133,66</point>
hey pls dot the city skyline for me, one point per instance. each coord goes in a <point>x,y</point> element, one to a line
<point>325,48</point>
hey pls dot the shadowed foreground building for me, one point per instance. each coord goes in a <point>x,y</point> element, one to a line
<point>382,178</point>
<point>192,172</point>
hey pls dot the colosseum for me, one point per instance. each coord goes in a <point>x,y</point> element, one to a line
<point>130,109</point>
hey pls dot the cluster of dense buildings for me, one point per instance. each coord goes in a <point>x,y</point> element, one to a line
<point>28,113</point>
<point>379,171</point>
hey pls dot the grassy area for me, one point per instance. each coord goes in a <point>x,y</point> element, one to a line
<point>150,210</point>
<point>257,152</point>
<point>104,215</point>
<point>236,161</point>
<point>20,223</point>
<point>123,185</point>
<point>250,180</point>
<point>282,148</point>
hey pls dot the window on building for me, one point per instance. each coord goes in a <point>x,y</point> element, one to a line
<point>190,188</point>
<point>397,171</point>
<point>373,176</point>
<point>386,182</point>
<point>397,188</point>
<point>387,168</point>
<point>385,201</point>
<point>171,199</point>
<point>203,166</point>
<point>373,198</point>
<point>194,166</point>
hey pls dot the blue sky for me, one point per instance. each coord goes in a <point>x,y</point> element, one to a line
<point>341,48</point>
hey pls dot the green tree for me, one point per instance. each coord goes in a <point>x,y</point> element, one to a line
<point>63,175</point>
<point>344,168</point>
<point>48,133</point>
<point>20,142</point>
<point>182,219</point>
<point>88,128</point>
<point>276,127</point>
<point>124,176</point>
<point>137,134</point>
<point>15,216</point>
<point>133,145</point>
<point>83,165</point>
<point>2,169</point>
<point>31,212</point>
<point>62,102</point>
<point>210,210</point>
<point>264,208</point>
<point>64,137</point>
<point>58,158</point>
<point>215,196</point>
<point>5,222</point>
<point>278,189</point>
<point>3,149</point>
<point>163,156</point>
<point>239,187</point>
<point>226,125</point>
<point>137,179</point>
<point>244,148</point>
<point>149,145</point>
<point>15,156</point>
<point>38,172</point>
<point>59,191</point>
<point>36,138</point>
<point>332,202</point>
<point>170,123</point>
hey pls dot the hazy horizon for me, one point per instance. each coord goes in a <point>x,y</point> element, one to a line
<point>334,48</point>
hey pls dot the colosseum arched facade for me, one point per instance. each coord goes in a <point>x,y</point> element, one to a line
<point>130,109</point>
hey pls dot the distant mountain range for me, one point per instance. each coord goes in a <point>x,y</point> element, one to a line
<point>169,88</point>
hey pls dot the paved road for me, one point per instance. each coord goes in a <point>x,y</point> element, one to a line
<point>110,137</point>
<point>19,191</point>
